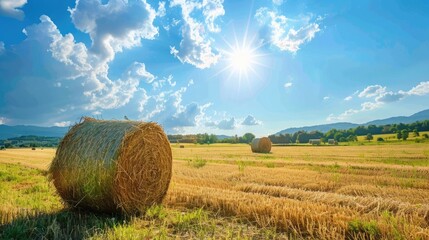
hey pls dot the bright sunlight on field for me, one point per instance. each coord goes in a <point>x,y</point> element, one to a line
<point>226,191</point>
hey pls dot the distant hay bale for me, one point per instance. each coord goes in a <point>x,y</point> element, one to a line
<point>113,166</point>
<point>33,148</point>
<point>261,145</point>
<point>182,146</point>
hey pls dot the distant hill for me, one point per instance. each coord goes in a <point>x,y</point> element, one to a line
<point>420,116</point>
<point>221,137</point>
<point>321,128</point>
<point>21,130</point>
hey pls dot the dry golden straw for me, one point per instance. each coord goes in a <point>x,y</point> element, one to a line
<point>261,145</point>
<point>113,166</point>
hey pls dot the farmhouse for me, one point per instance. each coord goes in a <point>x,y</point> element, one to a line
<point>332,141</point>
<point>314,141</point>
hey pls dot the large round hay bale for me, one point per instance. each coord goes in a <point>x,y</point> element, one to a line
<point>261,145</point>
<point>113,166</point>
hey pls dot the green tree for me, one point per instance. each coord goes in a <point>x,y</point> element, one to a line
<point>399,135</point>
<point>352,138</point>
<point>404,134</point>
<point>248,137</point>
<point>212,138</point>
<point>369,137</point>
<point>416,133</point>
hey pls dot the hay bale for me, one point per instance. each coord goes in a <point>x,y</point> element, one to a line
<point>261,145</point>
<point>182,146</point>
<point>112,166</point>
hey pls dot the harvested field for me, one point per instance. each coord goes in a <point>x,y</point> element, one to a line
<point>332,192</point>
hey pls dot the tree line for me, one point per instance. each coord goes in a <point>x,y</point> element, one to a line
<point>401,130</point>
<point>30,141</point>
<point>210,138</point>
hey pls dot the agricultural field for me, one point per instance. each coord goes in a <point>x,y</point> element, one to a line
<point>225,191</point>
<point>391,137</point>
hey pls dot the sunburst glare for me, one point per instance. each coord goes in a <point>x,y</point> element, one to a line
<point>242,59</point>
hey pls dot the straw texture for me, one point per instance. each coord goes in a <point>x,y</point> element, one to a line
<point>261,145</point>
<point>113,166</point>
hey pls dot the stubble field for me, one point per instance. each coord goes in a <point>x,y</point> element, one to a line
<point>226,191</point>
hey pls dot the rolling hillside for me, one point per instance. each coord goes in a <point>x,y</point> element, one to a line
<point>420,116</point>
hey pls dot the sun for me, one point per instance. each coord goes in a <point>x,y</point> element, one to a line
<point>242,59</point>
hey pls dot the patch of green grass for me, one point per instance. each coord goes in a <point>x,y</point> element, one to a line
<point>369,229</point>
<point>406,162</point>
<point>197,162</point>
<point>265,156</point>
<point>270,165</point>
<point>156,212</point>
<point>241,165</point>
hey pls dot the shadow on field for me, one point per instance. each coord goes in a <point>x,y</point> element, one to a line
<point>66,224</point>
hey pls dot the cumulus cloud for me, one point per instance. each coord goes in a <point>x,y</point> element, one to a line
<point>76,74</point>
<point>326,98</point>
<point>282,33</point>
<point>114,25</point>
<point>348,98</point>
<point>380,96</point>
<point>226,124</point>
<point>3,120</point>
<point>138,71</point>
<point>288,85</point>
<point>195,47</point>
<point>212,9</point>
<point>10,8</point>
<point>250,121</point>
<point>161,9</point>
<point>372,91</point>
<point>165,105</point>
<point>62,124</point>
<point>278,2</point>
<point>387,97</point>
<point>421,89</point>
<point>342,116</point>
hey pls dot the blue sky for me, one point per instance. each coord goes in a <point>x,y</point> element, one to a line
<point>222,66</point>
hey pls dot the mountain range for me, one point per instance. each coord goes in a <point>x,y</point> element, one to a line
<point>420,116</point>
<point>23,130</point>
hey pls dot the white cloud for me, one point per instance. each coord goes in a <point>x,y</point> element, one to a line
<point>348,98</point>
<point>421,89</point>
<point>138,71</point>
<point>165,106</point>
<point>368,106</point>
<point>282,34</point>
<point>288,85</point>
<point>10,8</point>
<point>114,25</point>
<point>278,2</point>
<point>372,91</point>
<point>326,98</point>
<point>250,121</point>
<point>195,47</point>
<point>77,74</point>
<point>2,48</point>
<point>62,124</point>
<point>3,120</point>
<point>226,124</point>
<point>342,116</point>
<point>212,9</point>
<point>387,97</point>
<point>161,9</point>
<point>380,96</point>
